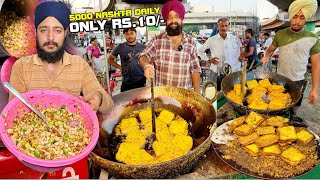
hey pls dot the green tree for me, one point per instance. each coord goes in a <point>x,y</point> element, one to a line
<point>191,28</point>
<point>318,33</point>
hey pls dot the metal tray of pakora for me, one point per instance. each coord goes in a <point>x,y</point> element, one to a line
<point>242,167</point>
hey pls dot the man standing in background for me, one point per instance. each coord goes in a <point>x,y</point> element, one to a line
<point>266,45</point>
<point>132,73</point>
<point>224,48</point>
<point>251,49</point>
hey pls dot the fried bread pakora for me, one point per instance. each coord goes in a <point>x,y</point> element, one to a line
<point>179,126</point>
<point>277,104</point>
<point>125,149</point>
<point>262,95</point>
<point>252,83</point>
<point>280,97</point>
<point>252,149</point>
<point>287,133</point>
<point>145,116</point>
<point>166,116</point>
<point>234,97</point>
<point>254,119</point>
<point>137,136</point>
<point>263,153</point>
<point>139,157</point>
<point>267,140</point>
<point>292,156</point>
<point>169,144</point>
<point>258,90</point>
<point>258,103</point>
<point>244,130</point>
<point>265,130</point>
<point>276,88</point>
<point>284,143</point>
<point>265,83</point>
<point>127,125</point>
<point>160,147</point>
<point>277,121</point>
<point>159,126</point>
<point>264,123</point>
<point>164,135</point>
<point>304,136</point>
<point>271,150</point>
<point>249,139</point>
<point>182,142</point>
<point>252,97</point>
<point>235,123</point>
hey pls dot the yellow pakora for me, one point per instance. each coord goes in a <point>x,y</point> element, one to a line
<point>292,156</point>
<point>172,139</point>
<point>234,97</point>
<point>258,103</point>
<point>145,116</point>
<point>182,142</point>
<point>178,126</point>
<point>137,136</point>
<point>258,90</point>
<point>265,83</point>
<point>271,150</point>
<point>252,149</point>
<point>254,119</point>
<point>128,125</point>
<point>166,116</point>
<point>159,126</point>
<point>304,136</point>
<point>276,88</point>
<point>160,147</point>
<point>236,122</point>
<point>252,83</point>
<point>164,135</point>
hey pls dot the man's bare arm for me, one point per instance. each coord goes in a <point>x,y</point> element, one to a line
<point>147,67</point>
<point>111,61</point>
<point>315,68</point>
<point>268,53</point>
<point>196,81</point>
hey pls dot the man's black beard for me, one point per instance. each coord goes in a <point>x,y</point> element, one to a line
<point>296,30</point>
<point>174,32</point>
<point>50,57</point>
<point>132,40</point>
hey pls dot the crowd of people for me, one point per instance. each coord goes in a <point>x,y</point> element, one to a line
<point>169,58</point>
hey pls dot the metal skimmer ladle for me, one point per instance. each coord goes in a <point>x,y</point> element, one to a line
<point>153,113</point>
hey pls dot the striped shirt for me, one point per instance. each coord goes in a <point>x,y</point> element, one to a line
<point>73,77</point>
<point>172,67</point>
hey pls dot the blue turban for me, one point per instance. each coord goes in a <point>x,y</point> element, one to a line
<point>55,9</point>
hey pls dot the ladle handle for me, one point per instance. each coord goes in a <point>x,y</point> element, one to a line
<point>152,108</point>
<point>26,102</point>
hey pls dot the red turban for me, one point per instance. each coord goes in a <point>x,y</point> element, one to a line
<point>175,6</point>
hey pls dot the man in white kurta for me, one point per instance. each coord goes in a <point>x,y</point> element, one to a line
<point>224,47</point>
<point>266,45</point>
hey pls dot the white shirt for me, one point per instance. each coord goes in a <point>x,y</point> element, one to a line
<point>268,42</point>
<point>226,50</point>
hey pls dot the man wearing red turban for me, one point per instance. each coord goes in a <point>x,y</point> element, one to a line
<point>173,52</point>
